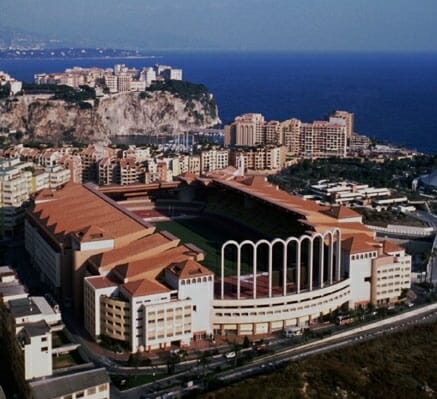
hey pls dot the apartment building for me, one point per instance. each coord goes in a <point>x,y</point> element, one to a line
<point>290,135</point>
<point>247,130</point>
<point>213,159</point>
<point>28,325</point>
<point>322,139</point>
<point>117,80</point>
<point>74,164</point>
<point>90,158</point>
<point>345,192</point>
<point>189,164</point>
<point>312,140</point>
<point>158,170</point>
<point>111,82</point>
<point>148,314</point>
<point>87,384</point>
<point>137,153</point>
<point>380,271</point>
<point>131,171</point>
<point>15,86</point>
<point>272,133</point>
<point>259,158</point>
<point>148,75</point>
<point>18,181</point>
<point>109,170</point>
<point>58,176</point>
<point>124,82</point>
<point>344,118</point>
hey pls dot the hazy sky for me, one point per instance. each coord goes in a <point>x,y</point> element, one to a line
<point>321,25</point>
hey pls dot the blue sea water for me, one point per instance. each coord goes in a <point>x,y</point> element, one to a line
<point>393,96</point>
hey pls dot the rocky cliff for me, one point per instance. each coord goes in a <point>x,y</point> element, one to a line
<point>42,118</point>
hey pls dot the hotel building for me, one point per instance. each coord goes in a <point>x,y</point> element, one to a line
<point>247,130</point>
<point>310,140</point>
<point>259,158</point>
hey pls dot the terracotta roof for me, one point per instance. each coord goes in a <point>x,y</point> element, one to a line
<point>189,268</point>
<point>75,206</point>
<point>91,233</point>
<point>358,243</point>
<point>99,282</point>
<point>144,287</point>
<point>152,266</point>
<point>188,177</point>
<point>319,218</point>
<point>139,249</point>
<point>341,212</point>
<point>389,247</point>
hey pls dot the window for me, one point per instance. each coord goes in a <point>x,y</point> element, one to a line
<point>44,349</point>
<point>43,339</point>
<point>80,394</point>
<point>194,308</point>
<point>91,391</point>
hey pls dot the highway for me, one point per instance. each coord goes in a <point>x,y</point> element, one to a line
<point>173,386</point>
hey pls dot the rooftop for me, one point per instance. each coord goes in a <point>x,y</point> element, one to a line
<point>55,387</point>
<point>36,329</point>
<point>23,307</point>
<point>145,287</point>
<point>72,209</point>
<point>189,268</point>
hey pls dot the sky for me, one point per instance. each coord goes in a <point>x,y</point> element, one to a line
<point>291,25</point>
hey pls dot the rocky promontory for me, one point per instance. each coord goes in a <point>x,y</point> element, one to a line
<point>163,109</point>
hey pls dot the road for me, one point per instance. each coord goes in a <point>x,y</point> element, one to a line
<point>173,386</point>
<point>428,218</point>
<point>283,353</point>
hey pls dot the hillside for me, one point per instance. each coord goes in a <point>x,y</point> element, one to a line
<point>60,117</point>
<point>400,365</point>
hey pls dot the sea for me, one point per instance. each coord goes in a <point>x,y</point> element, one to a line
<point>393,96</point>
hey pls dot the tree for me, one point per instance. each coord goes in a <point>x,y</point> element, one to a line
<point>204,361</point>
<point>431,257</point>
<point>246,342</point>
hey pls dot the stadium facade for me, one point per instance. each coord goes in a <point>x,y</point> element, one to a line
<point>147,289</point>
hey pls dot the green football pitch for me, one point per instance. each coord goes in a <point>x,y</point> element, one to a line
<point>209,236</point>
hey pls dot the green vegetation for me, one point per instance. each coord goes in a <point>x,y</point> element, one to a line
<point>67,360</point>
<point>5,90</point>
<point>62,92</point>
<point>59,339</point>
<point>188,92</point>
<point>144,95</point>
<point>208,236</point>
<point>111,344</point>
<point>385,217</point>
<point>397,174</point>
<point>398,366</point>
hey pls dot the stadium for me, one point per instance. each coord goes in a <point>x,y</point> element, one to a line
<point>162,264</point>
<point>273,267</point>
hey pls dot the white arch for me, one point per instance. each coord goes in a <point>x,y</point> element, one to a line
<point>333,236</point>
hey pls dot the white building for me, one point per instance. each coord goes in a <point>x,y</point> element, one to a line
<point>345,192</point>
<point>87,384</point>
<point>213,159</point>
